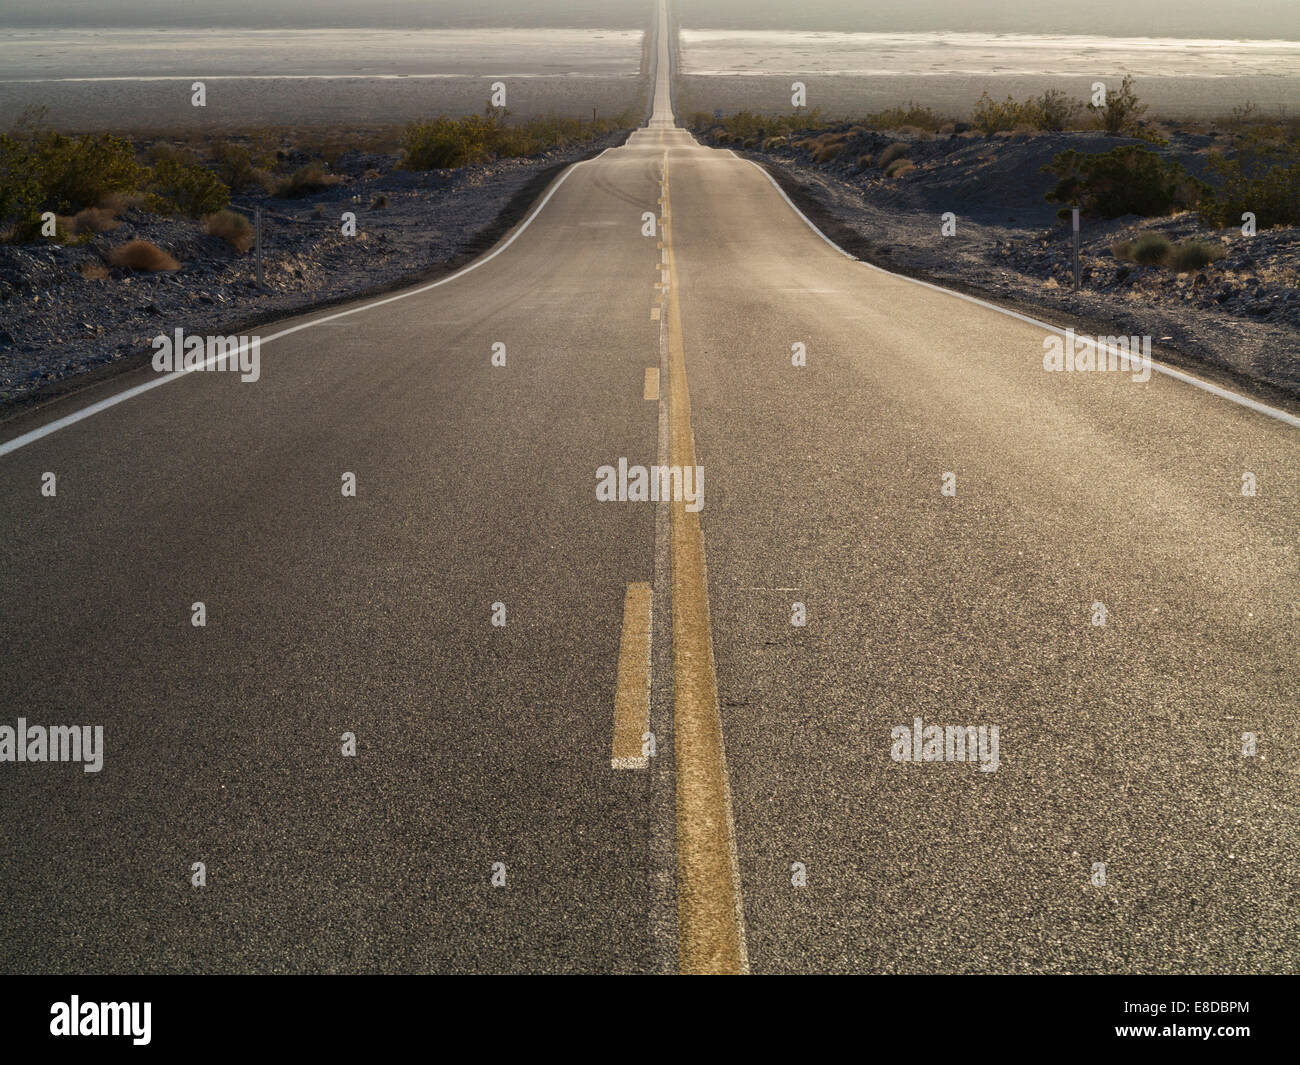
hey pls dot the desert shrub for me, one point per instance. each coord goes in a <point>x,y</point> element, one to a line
<point>747,124</point>
<point>1151,249</point>
<point>50,172</point>
<point>828,147</point>
<point>1125,180</point>
<point>306,181</point>
<point>75,173</point>
<point>93,270</point>
<point>1121,110</point>
<point>230,226</point>
<point>1261,176</point>
<point>921,118</point>
<point>95,220</point>
<point>1194,255</point>
<point>772,143</point>
<point>379,202</point>
<point>1055,110</point>
<point>899,167</point>
<point>1123,250</point>
<point>990,116</point>
<point>188,188</point>
<point>237,168</point>
<point>446,142</point>
<point>864,161</point>
<point>141,255</point>
<point>891,153</point>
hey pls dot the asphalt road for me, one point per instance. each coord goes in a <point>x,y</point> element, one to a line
<point>1119,744</point>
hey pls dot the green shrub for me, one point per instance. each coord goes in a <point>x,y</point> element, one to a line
<point>1055,110</point>
<point>991,117</point>
<point>1194,255</point>
<point>179,187</point>
<point>911,115</point>
<point>1262,177</point>
<point>51,172</point>
<point>446,142</point>
<point>745,124</point>
<point>1151,249</point>
<point>236,167</point>
<point>1121,110</point>
<point>1126,180</point>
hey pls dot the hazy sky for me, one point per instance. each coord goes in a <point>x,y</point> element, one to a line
<point>1156,18</point>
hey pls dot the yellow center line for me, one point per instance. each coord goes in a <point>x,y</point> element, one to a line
<point>710,918</point>
<point>632,697</point>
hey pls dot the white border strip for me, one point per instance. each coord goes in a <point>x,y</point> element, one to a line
<point>1168,371</point>
<point>121,397</point>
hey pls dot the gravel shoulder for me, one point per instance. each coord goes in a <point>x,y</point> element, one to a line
<point>61,331</point>
<point>1236,321</point>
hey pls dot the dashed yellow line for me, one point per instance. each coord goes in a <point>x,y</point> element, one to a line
<point>632,696</point>
<point>710,918</point>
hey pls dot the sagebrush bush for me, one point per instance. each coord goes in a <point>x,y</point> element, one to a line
<point>141,255</point>
<point>890,154</point>
<point>1151,249</point>
<point>306,181</point>
<point>95,220</point>
<point>1194,255</point>
<point>232,227</point>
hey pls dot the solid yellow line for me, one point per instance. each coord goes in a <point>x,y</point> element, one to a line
<point>632,696</point>
<point>651,390</point>
<point>710,921</point>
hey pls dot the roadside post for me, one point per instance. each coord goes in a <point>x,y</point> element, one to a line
<point>256,228</point>
<point>1074,213</point>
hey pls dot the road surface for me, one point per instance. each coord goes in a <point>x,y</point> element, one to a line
<point>481,825</point>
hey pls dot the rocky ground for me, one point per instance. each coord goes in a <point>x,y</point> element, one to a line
<point>58,328</point>
<point>1237,319</point>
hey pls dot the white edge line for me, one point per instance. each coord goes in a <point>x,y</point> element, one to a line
<point>121,397</point>
<point>1168,371</point>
